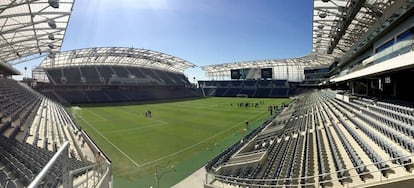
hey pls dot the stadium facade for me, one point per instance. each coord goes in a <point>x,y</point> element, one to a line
<point>356,130</point>
<point>107,75</point>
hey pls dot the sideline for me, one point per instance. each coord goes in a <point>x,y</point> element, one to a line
<point>192,146</point>
<point>116,147</point>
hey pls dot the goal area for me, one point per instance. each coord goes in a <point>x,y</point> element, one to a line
<point>242,96</point>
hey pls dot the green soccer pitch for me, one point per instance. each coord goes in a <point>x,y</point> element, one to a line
<point>178,139</point>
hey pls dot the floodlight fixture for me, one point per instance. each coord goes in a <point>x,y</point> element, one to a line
<point>51,55</point>
<point>52,24</point>
<point>51,36</point>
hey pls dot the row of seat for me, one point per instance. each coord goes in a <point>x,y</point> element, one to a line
<point>115,74</point>
<point>407,119</point>
<point>324,127</point>
<point>396,111</point>
<point>53,126</point>
<point>7,181</point>
<point>391,133</point>
<point>385,145</point>
<point>16,107</point>
<point>32,128</point>
<point>292,167</point>
<point>251,92</point>
<point>322,157</point>
<point>78,95</point>
<point>399,126</point>
<point>369,118</point>
<point>397,108</point>
<point>245,83</point>
<point>338,162</point>
<point>372,154</point>
<point>356,160</point>
<point>25,161</point>
<point>307,165</point>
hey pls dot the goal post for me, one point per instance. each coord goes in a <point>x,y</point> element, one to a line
<point>242,95</point>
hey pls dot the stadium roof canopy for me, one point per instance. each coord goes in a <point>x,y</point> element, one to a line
<point>340,29</point>
<point>116,56</point>
<point>29,27</point>
<point>313,59</point>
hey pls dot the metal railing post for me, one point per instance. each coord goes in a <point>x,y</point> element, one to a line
<point>66,179</point>
<point>49,165</point>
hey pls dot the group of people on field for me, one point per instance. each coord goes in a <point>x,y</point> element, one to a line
<point>248,104</point>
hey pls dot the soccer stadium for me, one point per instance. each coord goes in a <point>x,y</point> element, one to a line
<point>340,116</point>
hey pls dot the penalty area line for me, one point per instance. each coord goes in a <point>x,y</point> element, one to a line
<point>201,142</point>
<point>116,147</point>
<point>135,128</point>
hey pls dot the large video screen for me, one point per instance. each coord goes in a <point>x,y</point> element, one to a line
<point>251,73</point>
<point>267,73</point>
<point>235,73</point>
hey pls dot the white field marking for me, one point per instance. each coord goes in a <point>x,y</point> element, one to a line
<point>154,119</point>
<point>187,148</point>
<point>196,144</point>
<point>116,147</point>
<point>135,128</point>
<point>104,119</point>
<point>76,108</point>
<point>93,121</point>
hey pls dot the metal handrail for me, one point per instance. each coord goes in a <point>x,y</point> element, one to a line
<point>256,182</point>
<point>44,171</point>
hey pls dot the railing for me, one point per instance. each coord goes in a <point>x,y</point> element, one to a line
<point>287,182</point>
<point>63,151</point>
<point>93,176</point>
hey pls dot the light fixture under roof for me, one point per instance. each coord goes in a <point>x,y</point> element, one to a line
<point>320,26</point>
<point>54,3</point>
<point>52,24</point>
<point>51,55</point>
<point>51,36</point>
<point>322,15</point>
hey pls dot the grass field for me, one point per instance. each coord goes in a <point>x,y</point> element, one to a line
<point>179,138</point>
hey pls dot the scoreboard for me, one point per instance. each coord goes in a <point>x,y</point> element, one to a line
<point>251,73</point>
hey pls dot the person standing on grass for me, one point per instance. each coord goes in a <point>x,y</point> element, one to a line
<point>270,109</point>
<point>148,114</point>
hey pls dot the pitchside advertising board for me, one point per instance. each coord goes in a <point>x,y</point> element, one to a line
<point>251,73</point>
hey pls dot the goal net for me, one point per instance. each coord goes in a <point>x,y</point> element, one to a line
<point>242,96</point>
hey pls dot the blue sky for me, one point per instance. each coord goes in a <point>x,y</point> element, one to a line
<point>203,32</point>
